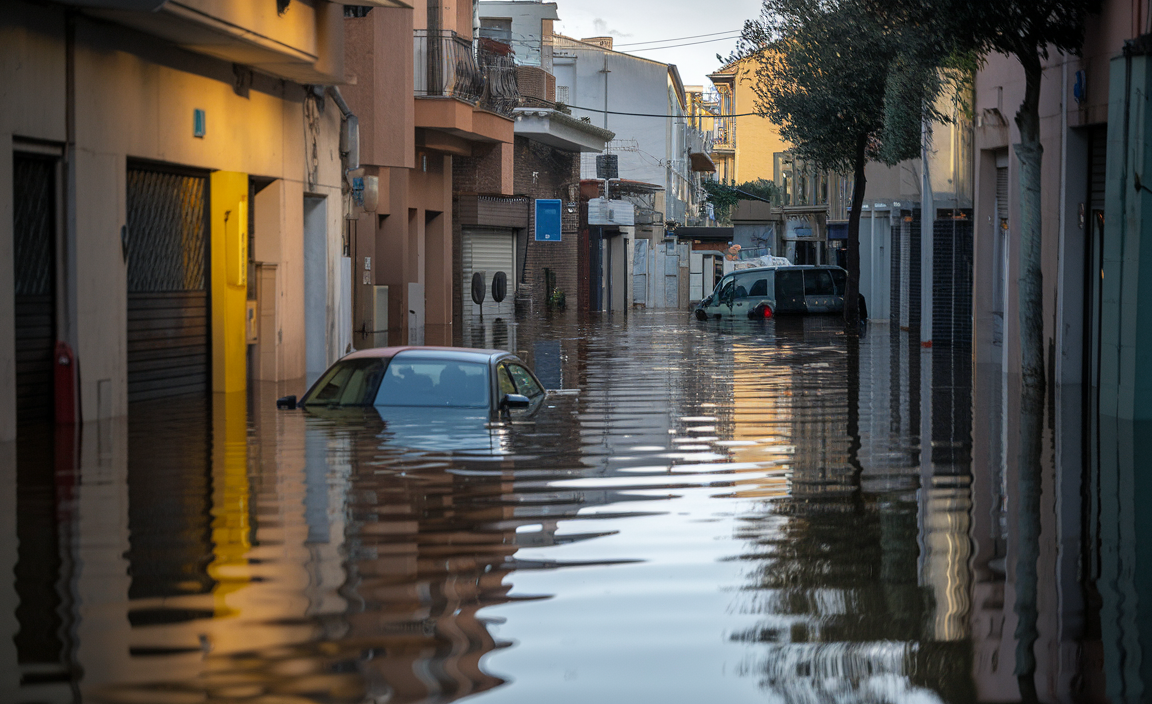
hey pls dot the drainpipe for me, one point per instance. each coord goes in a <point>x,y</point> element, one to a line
<point>349,134</point>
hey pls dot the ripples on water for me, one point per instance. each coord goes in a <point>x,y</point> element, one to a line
<point>719,514</point>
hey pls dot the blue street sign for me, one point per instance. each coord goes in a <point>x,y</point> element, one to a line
<point>548,219</point>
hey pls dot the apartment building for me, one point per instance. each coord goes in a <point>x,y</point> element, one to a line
<point>170,201</point>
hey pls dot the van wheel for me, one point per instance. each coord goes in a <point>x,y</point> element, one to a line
<point>701,315</point>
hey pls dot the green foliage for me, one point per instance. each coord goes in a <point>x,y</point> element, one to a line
<point>723,195</point>
<point>831,74</point>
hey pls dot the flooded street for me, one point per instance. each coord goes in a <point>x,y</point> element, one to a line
<point>768,513</point>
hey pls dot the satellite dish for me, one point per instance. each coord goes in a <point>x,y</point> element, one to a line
<point>499,286</point>
<point>478,288</point>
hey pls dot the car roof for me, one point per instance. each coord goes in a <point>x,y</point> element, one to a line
<point>790,266</point>
<point>457,354</point>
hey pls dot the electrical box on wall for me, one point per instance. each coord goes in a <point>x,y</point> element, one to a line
<point>251,329</point>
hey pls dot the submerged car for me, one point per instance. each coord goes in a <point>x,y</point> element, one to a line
<point>493,382</point>
<point>763,292</point>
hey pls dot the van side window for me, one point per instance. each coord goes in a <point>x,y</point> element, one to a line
<point>818,282</point>
<point>840,280</point>
<point>754,283</point>
<point>790,284</point>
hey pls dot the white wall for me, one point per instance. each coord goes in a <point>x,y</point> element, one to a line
<point>633,85</point>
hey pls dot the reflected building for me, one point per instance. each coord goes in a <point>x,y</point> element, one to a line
<point>858,574</point>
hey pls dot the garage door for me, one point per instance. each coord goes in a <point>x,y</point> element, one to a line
<point>168,330</point>
<point>34,234</point>
<point>489,252</point>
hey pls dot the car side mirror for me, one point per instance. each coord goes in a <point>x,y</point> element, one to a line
<point>286,403</point>
<point>515,401</point>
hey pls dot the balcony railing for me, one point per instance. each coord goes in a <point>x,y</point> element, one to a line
<point>447,66</point>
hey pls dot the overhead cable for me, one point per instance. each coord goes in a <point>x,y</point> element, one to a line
<point>677,39</point>
<point>677,117</point>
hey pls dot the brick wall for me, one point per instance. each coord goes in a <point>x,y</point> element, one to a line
<point>544,172</point>
<point>535,82</point>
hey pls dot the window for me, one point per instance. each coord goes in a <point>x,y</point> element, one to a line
<point>497,28</point>
<point>525,384</point>
<point>789,284</point>
<point>349,383</point>
<point>818,282</point>
<point>840,280</point>
<point>504,380</point>
<point>753,284</point>
<point>434,382</point>
<point>726,289</point>
<point>562,95</point>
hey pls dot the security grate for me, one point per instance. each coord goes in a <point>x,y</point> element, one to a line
<point>166,232</point>
<point>34,211</point>
<point>168,308</point>
<point>34,235</point>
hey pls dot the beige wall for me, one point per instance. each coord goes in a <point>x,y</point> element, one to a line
<point>29,65</point>
<point>134,98</point>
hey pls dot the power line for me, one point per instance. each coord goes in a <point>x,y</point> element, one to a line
<point>648,114</point>
<point>676,39</point>
<point>673,46</point>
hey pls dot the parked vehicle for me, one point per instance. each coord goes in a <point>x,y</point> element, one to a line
<point>763,292</point>
<point>493,382</point>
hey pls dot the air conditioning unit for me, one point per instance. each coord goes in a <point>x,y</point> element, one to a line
<point>619,213</point>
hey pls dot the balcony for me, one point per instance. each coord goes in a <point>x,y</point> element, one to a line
<point>446,66</point>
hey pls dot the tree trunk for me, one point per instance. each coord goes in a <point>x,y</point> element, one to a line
<point>1029,153</point>
<point>1033,380</point>
<point>852,292</point>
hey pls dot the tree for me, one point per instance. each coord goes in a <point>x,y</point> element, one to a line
<point>845,88</point>
<point>1025,30</point>
<point>722,195</point>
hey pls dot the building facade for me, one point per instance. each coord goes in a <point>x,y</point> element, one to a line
<point>170,201</point>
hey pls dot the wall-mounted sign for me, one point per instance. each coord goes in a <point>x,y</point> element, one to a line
<point>199,123</point>
<point>611,212</point>
<point>548,219</point>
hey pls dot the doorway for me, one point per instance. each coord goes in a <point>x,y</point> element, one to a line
<point>34,245</point>
<point>169,352</point>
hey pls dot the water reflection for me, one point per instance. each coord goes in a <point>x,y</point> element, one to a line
<point>764,513</point>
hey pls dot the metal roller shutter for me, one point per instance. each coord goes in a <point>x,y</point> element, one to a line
<point>168,318</point>
<point>489,252</point>
<point>34,235</point>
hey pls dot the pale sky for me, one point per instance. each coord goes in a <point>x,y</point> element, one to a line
<point>630,21</point>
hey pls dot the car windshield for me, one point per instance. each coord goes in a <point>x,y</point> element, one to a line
<point>351,382</point>
<point>434,382</point>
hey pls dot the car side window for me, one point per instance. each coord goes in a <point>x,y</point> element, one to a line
<point>525,384</point>
<point>349,383</point>
<point>818,282</point>
<point>840,280</point>
<point>504,379</point>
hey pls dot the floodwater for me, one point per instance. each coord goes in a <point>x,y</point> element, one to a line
<point>772,513</point>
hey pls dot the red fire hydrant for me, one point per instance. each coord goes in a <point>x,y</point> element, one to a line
<point>65,383</point>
